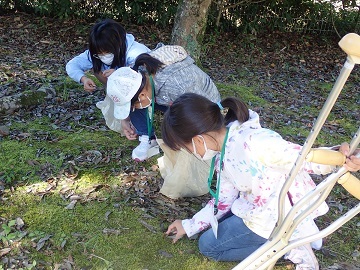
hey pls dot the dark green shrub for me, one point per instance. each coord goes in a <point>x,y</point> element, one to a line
<point>284,16</point>
<point>267,15</point>
<point>134,11</point>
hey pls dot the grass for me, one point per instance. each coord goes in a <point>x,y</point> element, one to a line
<point>104,229</point>
<point>83,228</point>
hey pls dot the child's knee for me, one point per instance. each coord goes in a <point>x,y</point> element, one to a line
<point>206,248</point>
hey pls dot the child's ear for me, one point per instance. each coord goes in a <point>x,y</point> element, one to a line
<point>145,92</point>
<point>142,95</point>
<point>198,141</point>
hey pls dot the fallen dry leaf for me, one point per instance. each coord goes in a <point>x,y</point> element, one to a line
<point>148,226</point>
<point>111,231</point>
<point>71,205</point>
<point>107,215</point>
<point>4,251</point>
<point>165,254</point>
<point>40,244</point>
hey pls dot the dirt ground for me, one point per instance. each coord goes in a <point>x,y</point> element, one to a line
<point>34,52</point>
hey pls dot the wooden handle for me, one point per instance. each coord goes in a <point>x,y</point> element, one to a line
<point>351,184</point>
<point>326,156</point>
<point>350,44</point>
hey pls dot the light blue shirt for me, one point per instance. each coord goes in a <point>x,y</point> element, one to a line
<point>77,66</point>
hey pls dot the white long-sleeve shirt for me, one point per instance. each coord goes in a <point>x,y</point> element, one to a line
<point>81,63</point>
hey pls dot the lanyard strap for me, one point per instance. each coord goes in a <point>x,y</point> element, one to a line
<point>150,113</point>
<point>212,169</point>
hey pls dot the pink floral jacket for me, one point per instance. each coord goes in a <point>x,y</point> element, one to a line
<point>257,162</point>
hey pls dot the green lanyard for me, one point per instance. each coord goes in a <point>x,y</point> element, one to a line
<point>150,119</point>
<point>212,169</point>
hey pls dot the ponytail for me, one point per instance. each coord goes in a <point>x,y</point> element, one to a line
<point>151,64</point>
<point>237,110</point>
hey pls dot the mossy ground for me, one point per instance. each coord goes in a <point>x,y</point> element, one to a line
<point>53,155</point>
<point>104,231</point>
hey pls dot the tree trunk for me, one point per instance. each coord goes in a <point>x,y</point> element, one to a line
<point>189,25</point>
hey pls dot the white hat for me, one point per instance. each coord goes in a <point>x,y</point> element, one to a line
<point>122,86</point>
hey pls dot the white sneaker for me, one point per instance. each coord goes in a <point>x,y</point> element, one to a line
<point>145,149</point>
<point>303,257</point>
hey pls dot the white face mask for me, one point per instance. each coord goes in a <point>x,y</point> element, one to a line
<point>209,153</point>
<point>107,59</point>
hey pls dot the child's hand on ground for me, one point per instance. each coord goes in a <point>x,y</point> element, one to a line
<point>89,85</point>
<point>128,129</point>
<point>177,229</point>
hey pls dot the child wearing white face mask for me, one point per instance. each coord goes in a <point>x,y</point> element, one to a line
<point>208,154</point>
<point>107,58</point>
<point>155,81</point>
<point>251,165</point>
<point>110,48</point>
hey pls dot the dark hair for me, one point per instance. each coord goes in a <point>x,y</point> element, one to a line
<point>192,114</point>
<point>107,36</point>
<point>151,64</point>
<point>142,85</point>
